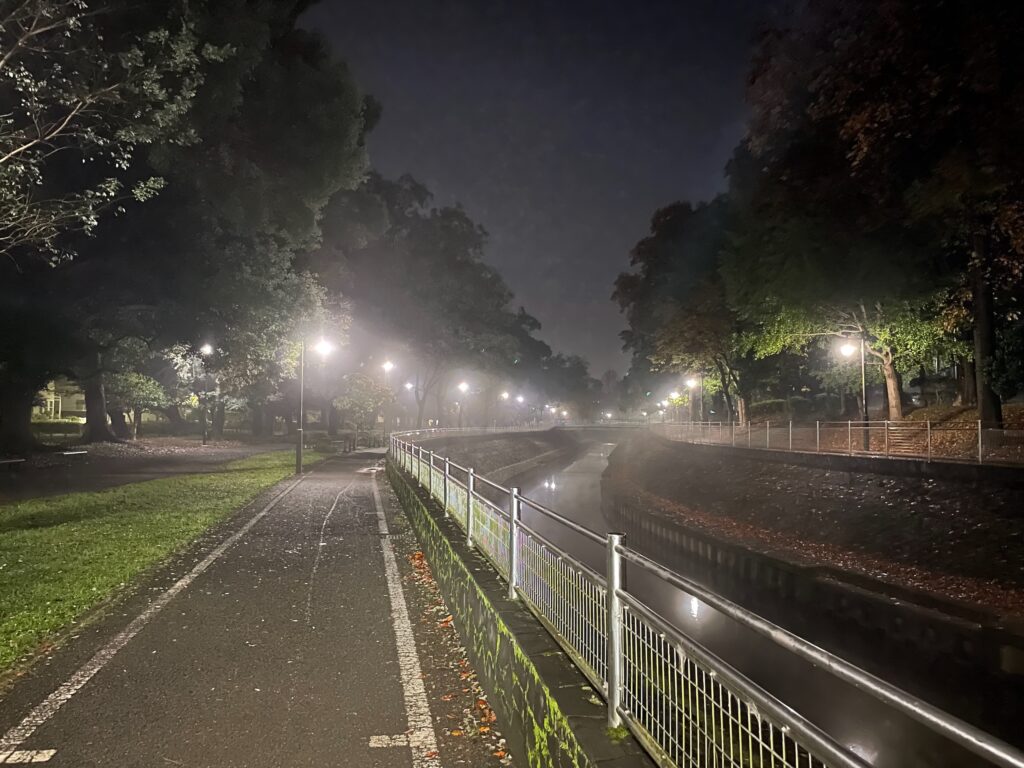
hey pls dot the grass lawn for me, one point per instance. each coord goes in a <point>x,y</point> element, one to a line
<point>62,555</point>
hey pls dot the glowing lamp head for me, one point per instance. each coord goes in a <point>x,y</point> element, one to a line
<point>520,399</point>
<point>673,395</point>
<point>691,383</point>
<point>565,414</point>
<point>463,387</point>
<point>206,350</point>
<point>388,366</point>
<point>607,415</point>
<point>323,347</point>
<point>847,350</point>
<point>504,395</point>
<point>408,385</point>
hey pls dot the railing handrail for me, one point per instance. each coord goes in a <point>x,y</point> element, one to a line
<point>966,735</point>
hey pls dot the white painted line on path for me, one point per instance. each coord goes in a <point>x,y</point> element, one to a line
<point>20,733</point>
<point>29,756</point>
<point>421,736</point>
<point>401,740</point>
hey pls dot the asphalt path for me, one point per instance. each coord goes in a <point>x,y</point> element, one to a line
<point>288,637</point>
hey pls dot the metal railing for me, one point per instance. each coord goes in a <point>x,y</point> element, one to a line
<point>684,704</point>
<point>945,441</point>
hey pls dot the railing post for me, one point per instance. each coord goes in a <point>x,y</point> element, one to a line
<point>419,464</point>
<point>470,486</point>
<point>513,542</point>
<point>430,473</point>
<point>613,631</point>
<point>444,502</point>
<point>791,434</point>
<point>849,435</point>
<point>817,437</point>
<point>981,456</point>
<point>928,427</point>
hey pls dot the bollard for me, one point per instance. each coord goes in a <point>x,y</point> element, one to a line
<point>791,435</point>
<point>470,485</point>
<point>767,434</point>
<point>513,542</point>
<point>614,628</point>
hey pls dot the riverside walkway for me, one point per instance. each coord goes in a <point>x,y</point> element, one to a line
<point>298,634</point>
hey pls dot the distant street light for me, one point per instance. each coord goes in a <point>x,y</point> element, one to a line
<point>673,395</point>
<point>520,399</point>
<point>463,387</point>
<point>565,414</point>
<point>691,383</point>
<point>388,366</point>
<point>504,395</point>
<point>408,385</point>
<point>323,347</point>
<point>607,415</point>
<point>206,350</point>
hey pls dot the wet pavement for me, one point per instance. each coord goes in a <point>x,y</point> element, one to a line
<point>304,632</point>
<point>881,736</point>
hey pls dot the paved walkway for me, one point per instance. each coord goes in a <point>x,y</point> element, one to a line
<point>298,635</point>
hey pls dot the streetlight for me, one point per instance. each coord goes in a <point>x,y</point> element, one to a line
<point>408,385</point>
<point>463,387</point>
<point>848,350</point>
<point>323,348</point>
<point>691,383</point>
<point>205,351</point>
<point>504,395</point>
<point>520,399</point>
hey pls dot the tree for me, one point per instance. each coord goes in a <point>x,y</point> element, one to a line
<point>87,83</point>
<point>362,398</point>
<point>920,105</point>
<point>132,393</point>
<point>216,251</point>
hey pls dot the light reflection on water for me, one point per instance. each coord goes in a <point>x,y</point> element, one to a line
<point>876,734</point>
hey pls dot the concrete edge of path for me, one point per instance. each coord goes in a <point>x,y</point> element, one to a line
<point>552,715</point>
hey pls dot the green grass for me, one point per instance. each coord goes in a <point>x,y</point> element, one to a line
<point>61,556</point>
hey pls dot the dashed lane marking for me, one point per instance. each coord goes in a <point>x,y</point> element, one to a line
<point>420,736</point>
<point>29,756</point>
<point>20,733</point>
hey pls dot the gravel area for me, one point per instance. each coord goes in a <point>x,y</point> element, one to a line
<point>961,541</point>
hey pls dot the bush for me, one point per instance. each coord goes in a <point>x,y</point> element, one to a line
<point>767,409</point>
<point>799,407</point>
<point>827,404</point>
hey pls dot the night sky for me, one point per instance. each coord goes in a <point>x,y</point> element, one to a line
<point>559,126</point>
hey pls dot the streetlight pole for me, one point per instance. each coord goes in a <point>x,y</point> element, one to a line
<point>302,407</point>
<point>864,395</point>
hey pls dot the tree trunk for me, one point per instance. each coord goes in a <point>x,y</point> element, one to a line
<point>741,408</point>
<point>990,408</point>
<point>96,429</point>
<point>173,414</point>
<point>219,417</point>
<point>119,424</point>
<point>332,420</point>
<point>892,389</point>
<point>16,418</point>
<point>136,422</point>
<point>421,406</point>
<point>968,384</point>
<point>258,419</point>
